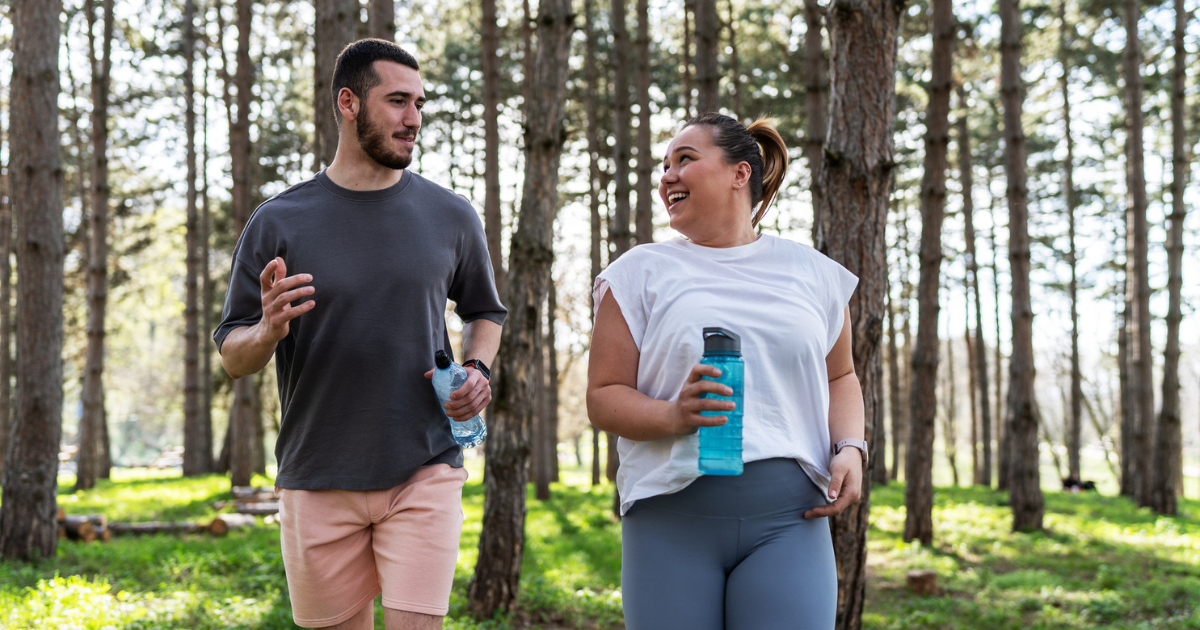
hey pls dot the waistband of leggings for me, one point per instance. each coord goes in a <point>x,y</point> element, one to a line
<point>765,487</point>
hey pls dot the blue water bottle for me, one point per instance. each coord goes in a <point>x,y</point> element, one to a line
<point>721,447</point>
<point>447,378</point>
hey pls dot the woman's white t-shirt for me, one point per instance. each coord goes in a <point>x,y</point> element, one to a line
<point>784,299</point>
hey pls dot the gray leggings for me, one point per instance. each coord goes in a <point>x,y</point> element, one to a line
<point>730,553</point>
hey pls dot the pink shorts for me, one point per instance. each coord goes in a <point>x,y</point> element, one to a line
<point>341,548</point>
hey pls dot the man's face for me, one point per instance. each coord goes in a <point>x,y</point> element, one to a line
<point>391,115</point>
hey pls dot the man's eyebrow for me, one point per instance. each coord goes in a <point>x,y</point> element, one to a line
<point>408,95</point>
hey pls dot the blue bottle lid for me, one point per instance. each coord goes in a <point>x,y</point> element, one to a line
<point>721,341</point>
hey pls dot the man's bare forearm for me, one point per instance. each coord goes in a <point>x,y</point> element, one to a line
<point>481,340</point>
<point>246,351</point>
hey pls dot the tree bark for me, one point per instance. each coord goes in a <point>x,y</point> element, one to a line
<point>6,366</point>
<point>1140,348</point>
<point>689,12</point>
<point>90,457</point>
<point>492,218</point>
<point>501,545</point>
<point>1125,400</point>
<point>816,88</point>
<point>893,368</point>
<point>195,449</point>
<point>645,161</point>
<point>1025,495</point>
<point>950,436</point>
<point>972,389</point>
<point>708,76</point>
<point>965,165</point>
<point>918,499</point>
<point>381,19</point>
<point>336,26</point>
<point>28,527</point>
<point>1168,444</point>
<point>552,383</point>
<point>1002,450</point>
<point>904,359</point>
<point>1075,419</point>
<point>242,414</point>
<point>593,141</point>
<point>206,288</point>
<point>619,236</point>
<point>856,177</point>
<point>735,67</point>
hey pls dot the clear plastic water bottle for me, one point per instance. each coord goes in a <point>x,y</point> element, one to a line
<point>447,378</point>
<point>721,447</point>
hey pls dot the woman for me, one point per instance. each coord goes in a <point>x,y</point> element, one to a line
<point>749,552</point>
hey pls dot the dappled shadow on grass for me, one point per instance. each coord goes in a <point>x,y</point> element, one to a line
<point>1101,562</point>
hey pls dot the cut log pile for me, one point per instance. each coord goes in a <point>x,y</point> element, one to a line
<point>248,502</point>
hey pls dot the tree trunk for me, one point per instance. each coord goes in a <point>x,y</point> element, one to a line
<point>1075,419</point>
<point>336,26</point>
<point>735,68</point>
<point>381,19</point>
<point>950,436</point>
<point>689,13</point>
<point>1025,494</point>
<point>6,245</point>
<point>894,404</point>
<point>856,178</point>
<point>206,288</point>
<point>708,76</point>
<point>972,388</point>
<point>90,457</point>
<point>242,412</point>
<point>904,359</point>
<point>539,453</point>
<point>918,522</point>
<point>28,528</point>
<point>551,380</point>
<point>493,221</point>
<point>645,161</point>
<point>1168,444</point>
<point>816,88</point>
<point>979,356</point>
<point>593,141</point>
<point>195,450</point>
<point>501,545</point>
<point>1138,285</point>
<point>619,236</point>
<point>1125,400</point>
<point>1002,450</point>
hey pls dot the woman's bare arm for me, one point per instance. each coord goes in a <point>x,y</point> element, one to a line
<point>614,403</point>
<point>847,419</point>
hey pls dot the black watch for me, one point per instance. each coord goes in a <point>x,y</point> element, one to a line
<point>478,365</point>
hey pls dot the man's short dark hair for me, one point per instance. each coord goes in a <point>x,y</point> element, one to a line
<point>355,66</point>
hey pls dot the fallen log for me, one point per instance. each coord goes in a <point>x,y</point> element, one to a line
<point>225,522</point>
<point>252,494</point>
<point>79,527</point>
<point>155,527</point>
<point>922,583</point>
<point>261,508</point>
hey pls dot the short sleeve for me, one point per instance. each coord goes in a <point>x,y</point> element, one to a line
<point>840,285</point>
<point>625,280</point>
<point>473,287</point>
<point>243,298</point>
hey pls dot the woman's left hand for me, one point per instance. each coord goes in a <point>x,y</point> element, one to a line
<point>845,488</point>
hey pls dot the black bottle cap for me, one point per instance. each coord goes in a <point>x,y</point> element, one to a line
<point>721,341</point>
<point>441,359</point>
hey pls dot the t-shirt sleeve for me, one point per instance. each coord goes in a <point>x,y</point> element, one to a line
<point>243,299</point>
<point>840,285</point>
<point>624,279</point>
<point>473,287</point>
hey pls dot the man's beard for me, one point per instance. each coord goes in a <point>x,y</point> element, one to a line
<point>374,143</point>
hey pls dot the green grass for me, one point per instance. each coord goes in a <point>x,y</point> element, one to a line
<point>1102,563</point>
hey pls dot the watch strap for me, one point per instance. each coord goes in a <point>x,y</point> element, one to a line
<point>861,445</point>
<point>478,365</point>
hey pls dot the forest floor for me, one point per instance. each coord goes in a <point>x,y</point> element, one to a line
<point>1102,563</point>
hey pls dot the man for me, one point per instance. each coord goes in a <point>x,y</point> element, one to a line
<point>370,479</point>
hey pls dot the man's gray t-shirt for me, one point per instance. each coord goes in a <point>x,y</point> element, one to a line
<point>358,412</point>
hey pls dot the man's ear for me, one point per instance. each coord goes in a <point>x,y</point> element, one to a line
<point>348,104</point>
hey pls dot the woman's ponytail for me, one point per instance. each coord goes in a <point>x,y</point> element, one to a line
<point>775,162</point>
<point>758,145</point>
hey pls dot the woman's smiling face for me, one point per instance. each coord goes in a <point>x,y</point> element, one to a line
<point>705,196</point>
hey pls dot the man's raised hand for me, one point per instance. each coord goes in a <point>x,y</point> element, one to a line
<point>278,292</point>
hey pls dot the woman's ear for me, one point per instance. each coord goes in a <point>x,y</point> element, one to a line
<point>741,177</point>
